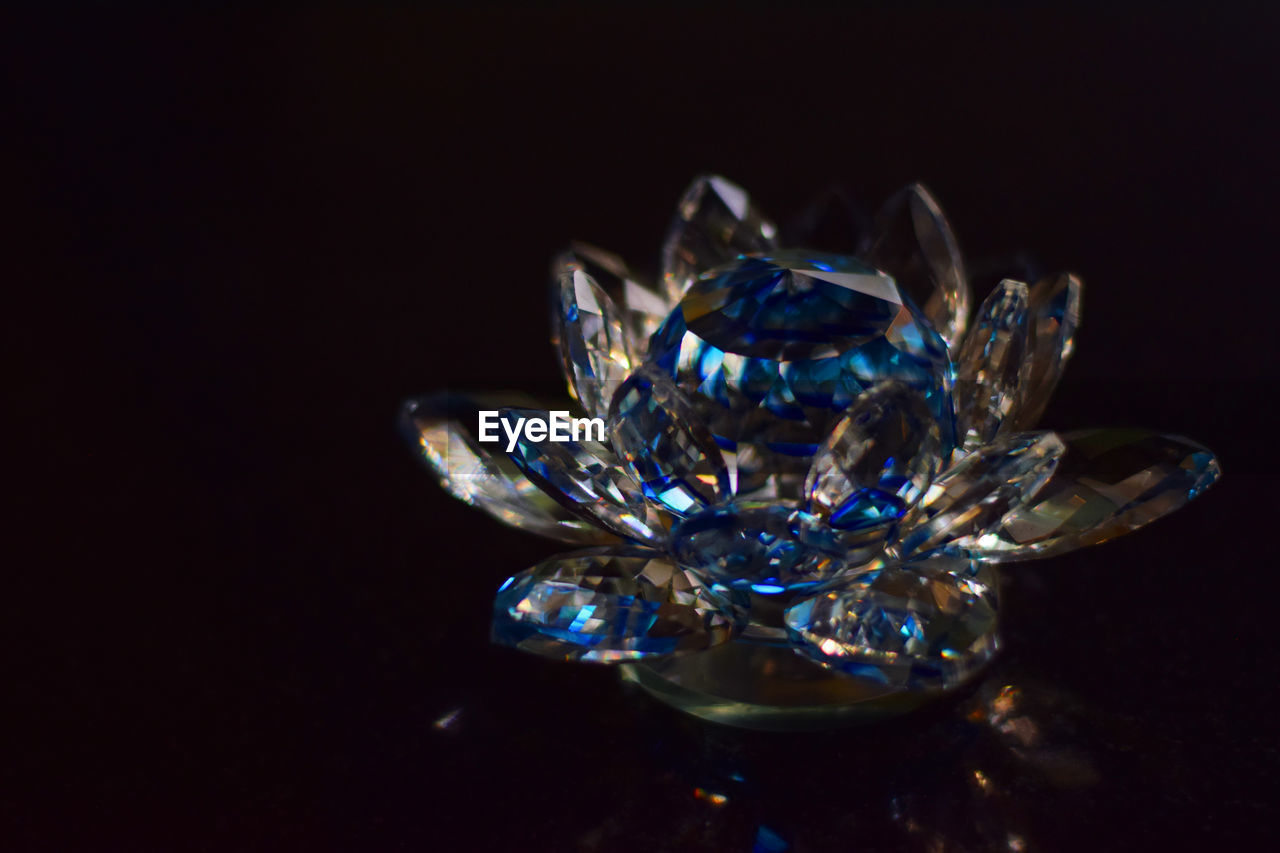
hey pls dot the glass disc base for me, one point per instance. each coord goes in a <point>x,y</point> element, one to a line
<point>770,688</point>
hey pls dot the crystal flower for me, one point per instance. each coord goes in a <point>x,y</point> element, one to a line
<point>821,452</point>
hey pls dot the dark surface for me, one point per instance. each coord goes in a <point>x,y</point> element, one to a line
<point>238,608</point>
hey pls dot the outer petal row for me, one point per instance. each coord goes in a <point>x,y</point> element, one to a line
<point>587,478</point>
<point>444,427</point>
<point>923,625</point>
<point>608,605</point>
<point>1110,481</point>
<point>974,494</point>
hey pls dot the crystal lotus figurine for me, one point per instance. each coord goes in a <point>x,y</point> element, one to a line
<point>812,461</point>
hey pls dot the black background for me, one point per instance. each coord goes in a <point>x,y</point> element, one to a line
<point>237,607</point>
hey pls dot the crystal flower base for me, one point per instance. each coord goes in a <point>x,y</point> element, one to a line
<point>769,688</point>
<point>811,463</point>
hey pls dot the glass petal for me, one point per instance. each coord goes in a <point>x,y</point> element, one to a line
<point>878,460</point>
<point>992,365</point>
<point>640,308</point>
<point>913,243</point>
<point>973,495</point>
<point>587,478</point>
<point>609,605</point>
<point>587,329</point>
<point>925,625</point>
<point>715,222</point>
<point>665,447</point>
<point>1109,482</point>
<point>769,548</point>
<point>1054,307</point>
<point>444,428</point>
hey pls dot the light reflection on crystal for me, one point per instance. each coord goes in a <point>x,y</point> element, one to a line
<point>588,330</point>
<point>587,478</point>
<point>971,497</point>
<point>767,547</point>
<point>665,446</point>
<point>641,309</point>
<point>1054,307</point>
<point>715,222</point>
<point>1110,481</point>
<point>772,350</point>
<point>443,426</point>
<point>608,605</point>
<point>992,365</point>
<point>924,625</point>
<point>914,244</point>
<point>878,460</point>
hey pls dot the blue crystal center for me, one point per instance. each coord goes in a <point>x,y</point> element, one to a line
<point>772,348</point>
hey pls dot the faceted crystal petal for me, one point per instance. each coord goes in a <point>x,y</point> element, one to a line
<point>773,350</point>
<point>914,244</point>
<point>444,429</point>
<point>665,447</point>
<point>992,367</point>
<point>608,605</point>
<point>877,461</point>
<point>639,308</point>
<point>923,625</point>
<point>769,548</point>
<point>587,478</point>
<point>1109,482</point>
<point>587,329</point>
<point>715,222</point>
<point>971,497</point>
<point>859,543</point>
<point>1055,315</point>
